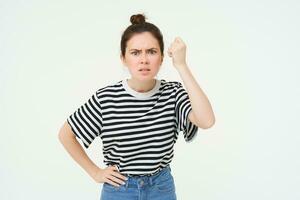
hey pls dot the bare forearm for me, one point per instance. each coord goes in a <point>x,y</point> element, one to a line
<point>79,155</point>
<point>199,102</point>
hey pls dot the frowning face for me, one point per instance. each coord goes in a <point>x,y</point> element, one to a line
<point>143,56</point>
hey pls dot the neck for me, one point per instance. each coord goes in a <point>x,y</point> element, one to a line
<point>141,86</point>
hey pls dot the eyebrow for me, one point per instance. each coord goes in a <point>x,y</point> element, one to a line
<point>140,50</point>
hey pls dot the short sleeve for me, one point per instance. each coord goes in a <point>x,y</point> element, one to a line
<point>86,121</point>
<point>182,109</point>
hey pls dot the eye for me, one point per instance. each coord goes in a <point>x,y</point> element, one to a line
<point>152,51</point>
<point>134,53</point>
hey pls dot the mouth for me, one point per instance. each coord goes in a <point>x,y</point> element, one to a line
<point>145,69</point>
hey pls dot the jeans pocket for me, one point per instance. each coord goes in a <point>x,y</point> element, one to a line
<point>166,185</point>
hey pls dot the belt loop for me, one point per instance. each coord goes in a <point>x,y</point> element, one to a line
<point>126,185</point>
<point>150,180</point>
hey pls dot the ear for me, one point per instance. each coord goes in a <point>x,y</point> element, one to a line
<point>122,59</point>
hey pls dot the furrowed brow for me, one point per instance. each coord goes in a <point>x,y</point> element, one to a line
<point>141,50</point>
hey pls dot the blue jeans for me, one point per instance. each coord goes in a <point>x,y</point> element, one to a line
<point>159,186</point>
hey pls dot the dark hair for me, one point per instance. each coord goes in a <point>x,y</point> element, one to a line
<point>139,25</point>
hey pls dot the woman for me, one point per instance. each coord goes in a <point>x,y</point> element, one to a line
<point>138,119</point>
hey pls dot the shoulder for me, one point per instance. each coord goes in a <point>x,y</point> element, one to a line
<point>109,88</point>
<point>171,83</point>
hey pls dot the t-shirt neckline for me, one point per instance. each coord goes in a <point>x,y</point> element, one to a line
<point>141,95</point>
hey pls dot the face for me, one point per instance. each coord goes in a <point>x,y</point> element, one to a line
<point>142,56</point>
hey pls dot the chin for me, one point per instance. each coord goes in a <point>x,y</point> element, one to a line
<point>144,78</point>
<point>149,78</point>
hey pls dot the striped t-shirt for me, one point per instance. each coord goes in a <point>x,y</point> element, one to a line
<point>138,130</point>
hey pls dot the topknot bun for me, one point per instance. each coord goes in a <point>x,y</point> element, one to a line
<point>137,19</point>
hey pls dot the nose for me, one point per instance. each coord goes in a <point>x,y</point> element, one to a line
<point>144,58</point>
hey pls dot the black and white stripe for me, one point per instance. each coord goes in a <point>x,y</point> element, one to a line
<point>138,134</point>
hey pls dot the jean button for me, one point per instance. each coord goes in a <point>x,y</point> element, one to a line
<point>141,182</point>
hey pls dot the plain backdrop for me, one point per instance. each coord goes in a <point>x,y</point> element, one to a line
<point>244,55</point>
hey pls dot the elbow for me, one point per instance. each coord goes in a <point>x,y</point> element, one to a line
<point>209,124</point>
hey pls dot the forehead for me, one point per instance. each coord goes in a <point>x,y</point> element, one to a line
<point>142,40</point>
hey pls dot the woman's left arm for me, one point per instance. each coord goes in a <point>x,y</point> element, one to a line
<point>201,114</point>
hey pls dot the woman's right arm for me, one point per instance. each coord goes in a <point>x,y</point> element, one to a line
<point>70,143</point>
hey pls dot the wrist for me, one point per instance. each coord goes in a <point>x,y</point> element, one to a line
<point>94,170</point>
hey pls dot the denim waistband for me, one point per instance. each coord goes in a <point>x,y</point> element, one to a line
<point>148,175</point>
<point>144,180</point>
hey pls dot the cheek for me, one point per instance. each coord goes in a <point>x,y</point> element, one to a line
<point>132,62</point>
<point>156,61</point>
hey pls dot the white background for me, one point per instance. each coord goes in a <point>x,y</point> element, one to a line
<point>245,56</point>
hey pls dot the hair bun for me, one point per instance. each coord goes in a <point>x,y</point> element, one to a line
<point>137,19</point>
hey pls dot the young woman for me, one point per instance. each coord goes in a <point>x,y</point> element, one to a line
<point>138,119</point>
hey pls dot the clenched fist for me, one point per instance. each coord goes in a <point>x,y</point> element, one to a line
<point>177,51</point>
